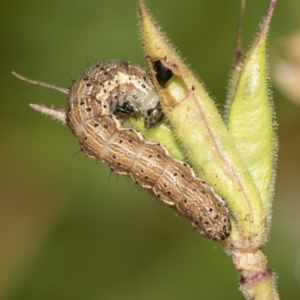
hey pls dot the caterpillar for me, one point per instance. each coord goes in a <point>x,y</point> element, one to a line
<point>95,100</point>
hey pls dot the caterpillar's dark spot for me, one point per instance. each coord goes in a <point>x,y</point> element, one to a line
<point>88,109</point>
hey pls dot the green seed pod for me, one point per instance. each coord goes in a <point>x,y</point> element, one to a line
<point>210,147</point>
<point>251,121</point>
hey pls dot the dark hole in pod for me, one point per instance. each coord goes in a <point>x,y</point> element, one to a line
<point>163,74</point>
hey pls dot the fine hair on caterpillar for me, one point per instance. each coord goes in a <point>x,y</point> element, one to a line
<point>116,87</point>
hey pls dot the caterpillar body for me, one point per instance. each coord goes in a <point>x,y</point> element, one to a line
<point>115,87</point>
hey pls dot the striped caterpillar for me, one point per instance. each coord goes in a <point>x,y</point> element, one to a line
<point>117,87</point>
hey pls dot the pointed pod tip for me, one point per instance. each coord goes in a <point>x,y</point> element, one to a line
<point>156,46</point>
<point>154,43</point>
<point>142,9</point>
<point>140,3</point>
<point>267,20</point>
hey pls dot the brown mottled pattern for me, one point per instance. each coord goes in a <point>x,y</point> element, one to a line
<point>115,84</point>
<point>100,134</point>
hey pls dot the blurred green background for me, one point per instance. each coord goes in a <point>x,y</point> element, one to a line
<point>69,229</point>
